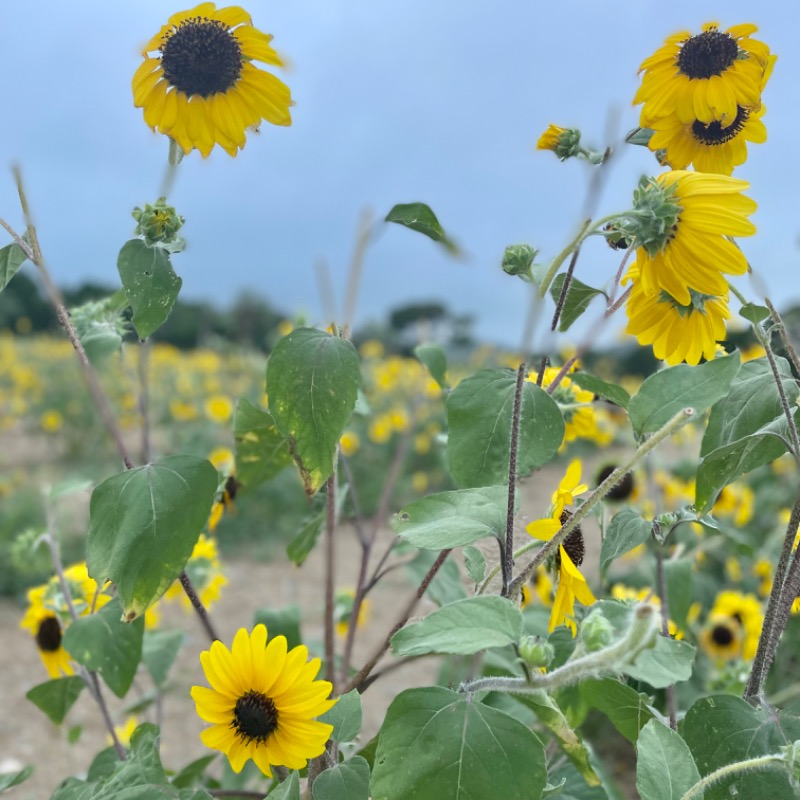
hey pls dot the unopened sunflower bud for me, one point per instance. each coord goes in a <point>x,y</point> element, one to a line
<point>518,260</point>
<point>159,223</point>
<point>564,142</point>
<point>596,631</point>
<point>536,652</point>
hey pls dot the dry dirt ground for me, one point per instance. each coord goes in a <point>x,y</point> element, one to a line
<point>27,736</point>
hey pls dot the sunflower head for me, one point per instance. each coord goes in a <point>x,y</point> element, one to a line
<point>655,215</point>
<point>564,142</point>
<point>198,83</point>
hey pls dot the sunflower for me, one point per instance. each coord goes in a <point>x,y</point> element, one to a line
<point>202,88</point>
<point>744,610</point>
<point>47,630</point>
<point>204,571</point>
<point>564,142</point>
<point>722,637</point>
<point>263,702</point>
<point>709,147</point>
<point>681,221</point>
<point>706,77</point>
<point>677,332</point>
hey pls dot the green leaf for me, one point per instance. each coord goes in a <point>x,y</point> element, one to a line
<point>608,391</point>
<point>462,628</point>
<point>56,697</point>
<point>433,357</point>
<point>460,750</point>
<point>640,136</point>
<point>446,587</point>
<point>159,650</point>
<point>312,380</point>
<point>723,729</point>
<point>451,519</point>
<point>579,295</point>
<point>9,779</point>
<point>103,764</point>
<point>281,622</point>
<point>105,644</point>
<point>261,451</point>
<point>141,769</point>
<point>670,390</point>
<point>628,529</point>
<point>518,260</point>
<point>625,708</point>
<point>678,576</point>
<point>475,562</point>
<point>665,769</point>
<point>420,218</point>
<point>12,257</point>
<point>479,414</point>
<point>346,781</point>
<point>288,790</point>
<point>345,717</point>
<point>754,313</point>
<point>74,733</point>
<point>306,538</point>
<point>192,772</point>
<point>150,284</point>
<point>668,661</point>
<point>143,525</point>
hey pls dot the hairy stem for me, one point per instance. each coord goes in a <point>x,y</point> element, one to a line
<point>737,768</point>
<point>508,551</point>
<point>330,577</point>
<point>672,702</point>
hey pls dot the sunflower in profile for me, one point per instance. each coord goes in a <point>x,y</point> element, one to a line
<point>263,702</point>
<point>681,222</point>
<point>706,77</point>
<point>201,86</point>
<point>677,332</point>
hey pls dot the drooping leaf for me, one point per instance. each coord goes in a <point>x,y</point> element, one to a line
<point>346,781</point>
<point>475,562</point>
<point>451,519</point>
<point>462,628</point>
<point>579,295</point>
<point>104,643</point>
<point>420,218</point>
<point>12,257</point>
<point>460,749</point>
<point>159,650</point>
<point>625,707</point>
<point>670,390</point>
<point>306,538</point>
<point>345,717</point>
<point>479,412</point>
<point>724,729</point>
<point>668,661</point>
<point>9,779</point>
<point>665,769</point>
<point>56,697</point>
<point>433,357</point>
<point>144,524</point>
<point>754,313</point>
<point>150,283</point>
<point>281,622</point>
<point>628,529</point>
<point>608,391</point>
<point>261,451</point>
<point>313,380</point>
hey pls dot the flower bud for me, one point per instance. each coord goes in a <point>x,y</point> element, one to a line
<point>536,652</point>
<point>564,142</point>
<point>159,223</point>
<point>596,631</point>
<point>518,260</point>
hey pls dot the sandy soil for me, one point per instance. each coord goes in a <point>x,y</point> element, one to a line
<point>26,734</point>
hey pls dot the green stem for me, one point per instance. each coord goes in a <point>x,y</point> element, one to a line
<point>561,257</point>
<point>750,765</point>
<point>738,295</point>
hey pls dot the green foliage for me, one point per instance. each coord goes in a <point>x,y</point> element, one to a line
<point>665,769</point>
<point>143,525</point>
<point>446,587</point>
<point>281,622</point>
<point>479,423</point>
<point>419,217</point>
<point>432,729</point>
<point>345,717</point>
<point>313,380</point>
<point>668,661</point>
<point>288,790</point>
<point>12,257</point>
<point>475,563</point>
<point>104,643</point>
<point>754,313</point>
<point>159,649</point>
<point>261,451</point>
<point>628,529</point>
<point>11,779</point>
<point>56,697</point>
<point>608,391</point>
<point>670,390</point>
<point>346,781</point>
<point>150,284</point>
<point>461,628</point>
<point>579,295</point>
<point>434,358</point>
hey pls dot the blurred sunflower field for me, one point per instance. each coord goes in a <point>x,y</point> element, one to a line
<point>564,576</point>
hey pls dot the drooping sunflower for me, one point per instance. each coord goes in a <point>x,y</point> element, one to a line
<point>204,571</point>
<point>201,88</point>
<point>677,332</point>
<point>263,702</point>
<point>705,77</point>
<point>47,630</point>
<point>681,221</point>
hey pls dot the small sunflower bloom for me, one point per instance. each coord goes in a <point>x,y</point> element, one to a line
<point>263,702</point>
<point>219,408</point>
<point>681,224</point>
<point>199,85</point>
<point>706,77</point>
<point>48,632</point>
<point>564,142</point>
<point>350,443</point>
<point>721,638</point>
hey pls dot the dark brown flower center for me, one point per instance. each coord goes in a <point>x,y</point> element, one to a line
<point>722,635</point>
<point>573,544</point>
<point>623,490</point>
<point>713,133</point>
<point>48,637</point>
<point>709,53</point>
<point>255,717</point>
<point>201,56</point>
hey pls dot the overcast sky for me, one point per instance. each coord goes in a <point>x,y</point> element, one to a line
<point>439,101</point>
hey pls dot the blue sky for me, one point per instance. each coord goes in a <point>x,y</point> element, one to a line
<point>429,100</point>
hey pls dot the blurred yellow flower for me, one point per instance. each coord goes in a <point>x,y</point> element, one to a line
<point>349,442</point>
<point>219,408</point>
<point>51,421</point>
